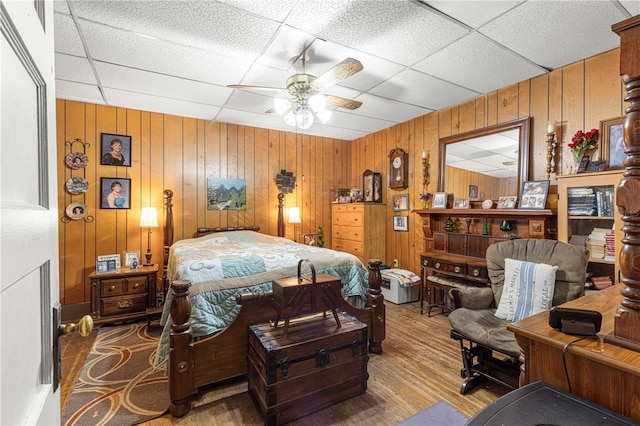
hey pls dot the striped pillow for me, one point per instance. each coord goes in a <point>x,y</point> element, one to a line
<point>528,289</point>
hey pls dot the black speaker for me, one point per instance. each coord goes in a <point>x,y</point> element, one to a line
<point>582,322</point>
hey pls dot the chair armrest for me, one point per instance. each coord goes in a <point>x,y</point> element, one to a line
<point>472,297</point>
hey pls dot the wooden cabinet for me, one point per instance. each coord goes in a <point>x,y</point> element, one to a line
<point>586,201</point>
<point>124,294</point>
<point>360,229</point>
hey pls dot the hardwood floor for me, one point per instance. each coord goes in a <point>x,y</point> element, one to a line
<point>419,367</point>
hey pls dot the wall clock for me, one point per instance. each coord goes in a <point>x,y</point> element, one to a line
<point>398,169</point>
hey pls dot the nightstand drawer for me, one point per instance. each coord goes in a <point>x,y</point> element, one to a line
<point>123,304</point>
<point>113,287</point>
<point>137,285</point>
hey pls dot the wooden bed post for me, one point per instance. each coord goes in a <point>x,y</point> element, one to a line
<point>168,236</point>
<point>181,364</point>
<point>376,303</point>
<point>280,216</point>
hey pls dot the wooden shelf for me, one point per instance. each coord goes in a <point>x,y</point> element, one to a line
<point>488,212</point>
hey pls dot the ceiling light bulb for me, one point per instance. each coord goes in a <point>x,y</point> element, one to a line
<point>324,115</point>
<point>317,102</point>
<point>304,118</point>
<point>281,105</point>
<point>290,118</point>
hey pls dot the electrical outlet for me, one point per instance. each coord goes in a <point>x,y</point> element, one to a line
<point>395,263</point>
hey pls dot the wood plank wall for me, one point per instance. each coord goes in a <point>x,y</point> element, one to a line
<point>575,97</point>
<point>177,153</point>
<point>181,153</point>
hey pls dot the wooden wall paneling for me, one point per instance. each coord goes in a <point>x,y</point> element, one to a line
<point>299,151</point>
<point>264,203</point>
<point>524,94</point>
<point>555,114</point>
<point>212,134</point>
<point>233,169</point>
<point>61,176</point>
<point>190,176</point>
<point>145,187</point>
<point>329,175</point>
<point>122,216</point>
<point>171,143</point>
<point>444,126</point>
<point>508,103</point>
<point>481,111</point>
<point>133,215</point>
<point>273,168</point>
<point>539,107</point>
<point>492,108</point>
<point>467,116</point>
<point>201,182</point>
<point>154,133</point>
<point>572,109</point>
<point>404,240</point>
<point>105,218</point>
<point>603,98</point>
<point>248,172</point>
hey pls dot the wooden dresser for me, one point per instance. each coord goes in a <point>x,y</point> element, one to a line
<point>124,294</point>
<point>359,229</point>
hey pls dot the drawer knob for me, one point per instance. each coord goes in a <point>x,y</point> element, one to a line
<point>112,288</point>
<point>136,285</point>
<point>124,305</point>
<point>456,269</point>
<point>475,273</point>
<point>437,265</point>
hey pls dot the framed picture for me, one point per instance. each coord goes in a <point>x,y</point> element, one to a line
<point>584,164</point>
<point>115,258</point>
<point>310,239</point>
<point>400,223</point>
<point>473,192</point>
<point>372,186</point>
<point>439,200</point>
<point>461,203</point>
<point>596,166</point>
<point>400,202</point>
<point>130,256</point>
<point>507,202</point>
<point>612,142</point>
<point>115,193</point>
<point>116,150</point>
<point>534,194</point>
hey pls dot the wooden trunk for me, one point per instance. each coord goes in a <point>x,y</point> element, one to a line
<point>318,364</point>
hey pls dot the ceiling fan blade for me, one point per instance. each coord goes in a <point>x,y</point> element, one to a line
<point>343,70</point>
<point>342,102</point>
<point>261,88</point>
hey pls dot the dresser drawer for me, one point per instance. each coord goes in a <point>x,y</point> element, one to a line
<point>348,219</point>
<point>353,233</point>
<point>137,285</point>
<point>348,207</point>
<point>353,247</point>
<point>114,287</point>
<point>456,268</point>
<point>123,304</point>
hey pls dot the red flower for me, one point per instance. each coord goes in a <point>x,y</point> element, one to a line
<point>581,142</point>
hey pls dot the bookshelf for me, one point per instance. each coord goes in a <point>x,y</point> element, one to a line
<point>588,217</point>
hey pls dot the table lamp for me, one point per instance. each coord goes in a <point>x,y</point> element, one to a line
<point>148,219</point>
<point>294,217</point>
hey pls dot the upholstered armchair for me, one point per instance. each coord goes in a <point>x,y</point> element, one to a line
<point>489,350</point>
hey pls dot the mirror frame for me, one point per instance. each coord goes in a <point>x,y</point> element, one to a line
<point>522,124</point>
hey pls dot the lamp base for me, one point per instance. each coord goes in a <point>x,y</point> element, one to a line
<point>148,257</point>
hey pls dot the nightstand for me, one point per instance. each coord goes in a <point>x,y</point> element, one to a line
<point>123,295</point>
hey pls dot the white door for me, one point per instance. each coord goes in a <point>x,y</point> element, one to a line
<point>28,214</point>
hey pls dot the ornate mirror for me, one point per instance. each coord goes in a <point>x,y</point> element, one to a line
<point>490,162</point>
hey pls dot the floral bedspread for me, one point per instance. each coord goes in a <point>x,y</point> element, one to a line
<point>222,265</point>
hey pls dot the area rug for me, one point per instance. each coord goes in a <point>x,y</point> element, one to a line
<point>440,414</point>
<point>118,385</point>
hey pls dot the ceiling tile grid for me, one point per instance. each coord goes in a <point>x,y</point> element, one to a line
<point>418,56</point>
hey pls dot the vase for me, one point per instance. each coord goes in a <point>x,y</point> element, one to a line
<point>425,204</point>
<point>577,158</point>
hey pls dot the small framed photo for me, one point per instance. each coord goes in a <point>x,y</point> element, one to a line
<point>103,266</point>
<point>461,203</point>
<point>596,166</point>
<point>310,239</point>
<point>372,186</point>
<point>473,192</point>
<point>584,164</point>
<point>130,256</point>
<point>507,202</point>
<point>612,142</point>
<point>439,200</point>
<point>534,194</point>
<point>400,202</point>
<point>400,223</point>
<point>115,193</point>
<point>115,258</point>
<point>116,150</point>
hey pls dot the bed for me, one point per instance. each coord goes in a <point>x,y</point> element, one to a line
<point>211,302</point>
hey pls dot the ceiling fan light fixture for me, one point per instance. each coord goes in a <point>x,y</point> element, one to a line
<point>324,115</point>
<point>318,102</point>
<point>281,105</point>
<point>304,118</point>
<point>290,118</point>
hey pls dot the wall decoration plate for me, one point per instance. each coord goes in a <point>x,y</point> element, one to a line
<point>77,211</point>
<point>77,185</point>
<point>487,204</point>
<point>76,160</point>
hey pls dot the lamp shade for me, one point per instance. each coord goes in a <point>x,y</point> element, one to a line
<point>148,217</point>
<point>294,215</point>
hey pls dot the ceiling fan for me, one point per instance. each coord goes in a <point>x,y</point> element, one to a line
<point>301,101</point>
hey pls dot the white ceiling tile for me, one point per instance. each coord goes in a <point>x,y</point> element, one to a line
<point>75,69</point>
<point>276,10</point>
<point>67,40</point>
<point>565,31</point>
<point>150,103</point>
<point>388,109</point>
<point>78,92</point>
<point>254,102</point>
<point>476,62</point>
<point>133,80</point>
<point>61,6</point>
<point>473,13</point>
<point>206,25</point>
<point>129,49</point>
<point>423,90</point>
<point>632,6</point>
<point>357,122</point>
<point>404,32</point>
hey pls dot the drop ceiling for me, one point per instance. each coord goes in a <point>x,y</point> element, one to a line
<point>177,57</point>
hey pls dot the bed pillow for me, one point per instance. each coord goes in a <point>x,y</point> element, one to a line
<point>528,289</point>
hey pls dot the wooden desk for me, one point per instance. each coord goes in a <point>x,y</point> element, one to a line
<point>610,378</point>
